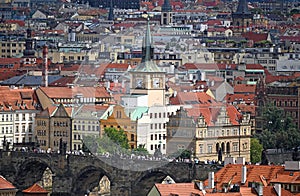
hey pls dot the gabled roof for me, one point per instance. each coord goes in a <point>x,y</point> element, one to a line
<point>35,189</point>
<point>4,184</point>
<point>182,189</point>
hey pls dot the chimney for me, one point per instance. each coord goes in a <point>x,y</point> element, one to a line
<point>240,160</point>
<point>199,184</point>
<point>211,180</point>
<point>277,188</point>
<point>244,174</point>
<point>229,160</point>
<point>259,189</point>
<point>45,57</point>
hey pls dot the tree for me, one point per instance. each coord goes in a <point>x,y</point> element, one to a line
<point>113,141</point>
<point>141,150</point>
<point>279,130</point>
<point>117,136</point>
<point>255,151</point>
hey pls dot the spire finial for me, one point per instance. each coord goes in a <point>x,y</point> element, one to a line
<point>147,42</point>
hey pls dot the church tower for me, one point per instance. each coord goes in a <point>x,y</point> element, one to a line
<point>166,13</point>
<point>147,78</point>
<point>242,18</point>
<point>29,57</point>
<point>111,11</point>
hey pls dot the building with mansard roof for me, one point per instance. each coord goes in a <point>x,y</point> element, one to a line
<point>18,108</point>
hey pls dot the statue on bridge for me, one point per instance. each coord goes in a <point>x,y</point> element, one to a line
<point>220,155</point>
<point>295,155</point>
<point>5,144</point>
<point>62,147</point>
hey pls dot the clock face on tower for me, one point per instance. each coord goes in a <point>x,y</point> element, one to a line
<point>139,83</point>
<point>155,82</point>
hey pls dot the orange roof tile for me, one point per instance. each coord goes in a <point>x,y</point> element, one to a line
<point>66,92</point>
<point>202,66</point>
<point>244,88</point>
<point>35,189</point>
<point>287,177</point>
<point>232,172</point>
<point>118,65</point>
<point>4,184</point>
<point>182,189</point>
<point>270,191</point>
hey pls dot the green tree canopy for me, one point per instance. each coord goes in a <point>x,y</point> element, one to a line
<point>279,130</point>
<point>113,141</point>
<point>255,151</point>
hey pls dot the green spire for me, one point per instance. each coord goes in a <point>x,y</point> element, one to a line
<point>147,49</point>
<point>147,65</point>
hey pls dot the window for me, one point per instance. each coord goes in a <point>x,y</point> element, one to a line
<point>151,147</point>
<point>132,137</point>
<point>235,146</point>
<point>200,148</point>
<point>209,148</point>
<point>151,137</point>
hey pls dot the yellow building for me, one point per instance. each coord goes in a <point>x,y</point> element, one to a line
<point>120,120</point>
<point>12,48</point>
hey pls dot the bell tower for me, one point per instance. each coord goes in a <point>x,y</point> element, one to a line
<point>242,18</point>
<point>147,78</point>
<point>29,57</point>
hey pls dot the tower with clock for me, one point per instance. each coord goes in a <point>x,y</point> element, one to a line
<point>147,78</point>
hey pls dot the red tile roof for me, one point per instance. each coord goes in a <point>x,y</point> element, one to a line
<point>118,65</point>
<point>209,66</point>
<point>21,23</point>
<point>255,37</point>
<point>16,99</point>
<point>270,191</point>
<point>244,88</point>
<point>254,66</point>
<point>35,189</point>
<point>238,98</point>
<point>67,92</point>
<point>182,189</point>
<point>232,173</point>
<point>286,177</point>
<point>4,184</point>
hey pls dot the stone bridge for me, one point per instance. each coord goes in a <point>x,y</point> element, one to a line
<point>74,175</point>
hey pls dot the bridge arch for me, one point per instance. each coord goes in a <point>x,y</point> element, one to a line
<point>31,171</point>
<point>87,179</point>
<point>148,178</point>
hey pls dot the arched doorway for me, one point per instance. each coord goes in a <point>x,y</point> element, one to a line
<point>223,147</point>
<point>228,148</point>
<point>217,147</point>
